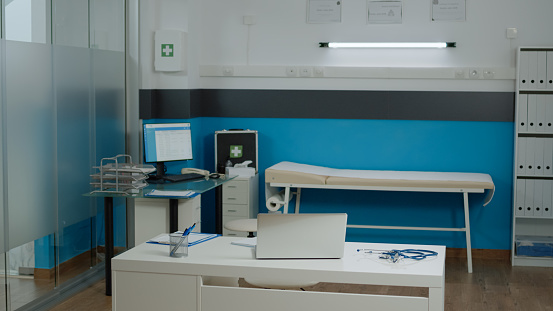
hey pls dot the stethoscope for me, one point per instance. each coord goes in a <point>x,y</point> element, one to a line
<point>395,255</point>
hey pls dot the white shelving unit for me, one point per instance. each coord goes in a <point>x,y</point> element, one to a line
<point>533,172</point>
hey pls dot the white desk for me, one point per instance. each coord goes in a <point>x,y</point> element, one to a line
<point>146,278</point>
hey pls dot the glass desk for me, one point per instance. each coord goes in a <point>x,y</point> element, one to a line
<point>199,186</point>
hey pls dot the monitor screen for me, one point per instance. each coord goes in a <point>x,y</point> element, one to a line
<point>167,142</point>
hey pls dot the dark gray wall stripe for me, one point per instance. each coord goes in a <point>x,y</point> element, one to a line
<point>164,104</point>
<point>328,104</point>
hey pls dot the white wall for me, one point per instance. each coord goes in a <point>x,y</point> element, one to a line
<point>259,54</point>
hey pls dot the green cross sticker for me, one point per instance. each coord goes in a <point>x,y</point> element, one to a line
<point>236,151</point>
<point>166,50</point>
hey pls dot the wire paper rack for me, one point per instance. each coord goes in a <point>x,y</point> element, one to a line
<point>119,175</point>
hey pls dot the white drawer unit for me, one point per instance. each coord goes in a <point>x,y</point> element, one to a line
<point>151,217</point>
<point>240,201</point>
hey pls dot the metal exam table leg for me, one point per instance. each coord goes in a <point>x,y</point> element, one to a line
<point>467,230</point>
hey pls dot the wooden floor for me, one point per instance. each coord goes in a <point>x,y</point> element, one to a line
<point>494,285</point>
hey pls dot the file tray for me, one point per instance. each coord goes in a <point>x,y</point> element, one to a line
<point>534,246</point>
<point>116,175</point>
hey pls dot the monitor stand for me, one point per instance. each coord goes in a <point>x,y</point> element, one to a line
<point>160,174</point>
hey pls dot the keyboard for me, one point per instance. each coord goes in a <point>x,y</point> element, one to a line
<point>183,177</point>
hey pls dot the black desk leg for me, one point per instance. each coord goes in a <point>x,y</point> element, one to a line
<point>173,215</point>
<point>219,210</point>
<point>108,225</point>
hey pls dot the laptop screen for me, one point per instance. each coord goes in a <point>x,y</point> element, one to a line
<point>291,236</point>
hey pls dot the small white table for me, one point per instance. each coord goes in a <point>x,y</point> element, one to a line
<point>146,278</point>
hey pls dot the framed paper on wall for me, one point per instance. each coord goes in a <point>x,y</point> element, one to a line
<point>324,11</point>
<point>384,12</point>
<point>449,10</point>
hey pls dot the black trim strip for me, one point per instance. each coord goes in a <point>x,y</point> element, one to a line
<point>164,104</point>
<point>328,104</point>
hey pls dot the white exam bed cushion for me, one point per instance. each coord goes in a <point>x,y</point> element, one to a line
<point>295,173</point>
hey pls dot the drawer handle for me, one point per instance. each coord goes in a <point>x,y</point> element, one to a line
<point>232,198</point>
<point>231,186</point>
<point>232,210</point>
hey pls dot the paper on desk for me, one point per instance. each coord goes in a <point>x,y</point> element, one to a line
<point>193,238</point>
<point>169,193</point>
<point>249,242</point>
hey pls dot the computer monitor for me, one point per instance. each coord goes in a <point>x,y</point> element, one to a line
<point>165,142</point>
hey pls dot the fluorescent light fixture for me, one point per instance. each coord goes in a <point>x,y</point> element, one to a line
<point>392,45</point>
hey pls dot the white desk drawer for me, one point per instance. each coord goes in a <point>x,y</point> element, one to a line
<point>240,210</point>
<point>234,233</point>
<point>236,192</point>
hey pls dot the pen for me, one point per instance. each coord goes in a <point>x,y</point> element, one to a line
<point>188,230</point>
<point>184,234</point>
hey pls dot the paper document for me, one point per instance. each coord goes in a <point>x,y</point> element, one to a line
<point>193,238</point>
<point>249,242</point>
<point>168,193</point>
<point>324,11</point>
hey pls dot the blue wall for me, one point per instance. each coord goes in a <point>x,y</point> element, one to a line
<point>451,146</point>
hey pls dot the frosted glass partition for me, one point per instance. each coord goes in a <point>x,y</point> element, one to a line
<point>72,86</point>
<point>31,142</point>
<point>3,235</point>
<point>107,27</point>
<point>70,22</point>
<point>3,283</point>
<point>3,208</point>
<point>109,95</point>
<point>109,98</point>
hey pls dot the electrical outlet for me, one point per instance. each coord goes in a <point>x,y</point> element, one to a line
<point>305,71</point>
<point>318,72</point>
<point>460,74</point>
<point>249,19</point>
<point>488,74</point>
<point>228,71</point>
<point>512,33</point>
<point>474,73</point>
<point>291,71</point>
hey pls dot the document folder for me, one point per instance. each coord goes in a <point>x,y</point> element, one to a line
<point>538,197</point>
<point>547,198</point>
<point>542,70</point>
<point>538,156</point>
<point>520,203</point>
<point>530,154</point>
<point>550,70</point>
<point>549,111</point>
<point>522,113</point>
<point>529,198</point>
<point>548,156</point>
<point>532,112</point>
<point>523,70</point>
<point>540,111</point>
<point>532,70</point>
<point>521,156</point>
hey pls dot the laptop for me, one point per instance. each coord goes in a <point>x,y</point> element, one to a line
<point>294,236</point>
